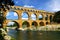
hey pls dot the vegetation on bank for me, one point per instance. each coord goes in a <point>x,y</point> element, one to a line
<point>56,17</point>
<point>4,4</point>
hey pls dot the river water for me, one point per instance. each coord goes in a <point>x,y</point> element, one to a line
<point>35,35</point>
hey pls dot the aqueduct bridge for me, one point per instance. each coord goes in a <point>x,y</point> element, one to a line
<point>19,10</point>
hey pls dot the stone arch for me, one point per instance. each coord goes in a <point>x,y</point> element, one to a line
<point>34,24</point>
<point>25,15</point>
<point>13,24</point>
<point>25,24</point>
<point>33,16</point>
<point>41,23</point>
<point>40,17</point>
<point>12,15</point>
<point>46,17</point>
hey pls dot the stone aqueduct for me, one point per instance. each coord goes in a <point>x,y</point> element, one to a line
<point>19,10</point>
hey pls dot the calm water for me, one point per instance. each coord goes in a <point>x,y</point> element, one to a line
<point>35,35</point>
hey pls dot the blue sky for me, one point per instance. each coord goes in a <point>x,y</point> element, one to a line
<point>47,5</point>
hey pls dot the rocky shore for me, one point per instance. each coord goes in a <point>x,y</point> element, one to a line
<point>4,35</point>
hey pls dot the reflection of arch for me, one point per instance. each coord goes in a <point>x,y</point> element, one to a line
<point>47,23</point>
<point>34,24</point>
<point>11,15</point>
<point>14,24</point>
<point>25,15</point>
<point>46,17</point>
<point>40,16</point>
<point>33,16</point>
<point>25,24</point>
<point>41,23</point>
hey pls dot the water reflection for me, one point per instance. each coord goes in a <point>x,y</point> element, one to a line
<point>28,35</point>
<point>19,35</point>
<point>35,35</point>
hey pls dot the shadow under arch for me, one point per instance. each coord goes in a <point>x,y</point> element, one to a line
<point>25,15</point>
<point>41,23</point>
<point>47,23</point>
<point>25,24</point>
<point>46,17</point>
<point>51,18</point>
<point>34,24</point>
<point>12,15</point>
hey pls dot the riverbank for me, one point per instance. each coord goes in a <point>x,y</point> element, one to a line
<point>41,28</point>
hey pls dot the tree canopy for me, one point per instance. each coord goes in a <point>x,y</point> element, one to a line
<point>57,17</point>
<point>6,3</point>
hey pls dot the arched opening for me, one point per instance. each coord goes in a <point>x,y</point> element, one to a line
<point>47,23</point>
<point>12,15</point>
<point>25,24</point>
<point>33,16</point>
<point>25,15</point>
<point>41,23</point>
<point>40,17</point>
<point>13,24</point>
<point>34,24</point>
<point>46,17</point>
<point>51,18</point>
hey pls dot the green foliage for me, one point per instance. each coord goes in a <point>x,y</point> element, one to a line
<point>12,38</point>
<point>4,4</point>
<point>57,17</point>
<point>25,23</point>
<point>1,36</point>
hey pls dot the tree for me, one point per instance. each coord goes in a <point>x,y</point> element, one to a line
<point>57,17</point>
<point>4,4</point>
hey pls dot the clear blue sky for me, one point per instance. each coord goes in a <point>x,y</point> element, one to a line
<point>47,5</point>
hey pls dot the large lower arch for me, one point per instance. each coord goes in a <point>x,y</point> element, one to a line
<point>34,24</point>
<point>12,15</point>
<point>41,23</point>
<point>13,24</point>
<point>25,24</point>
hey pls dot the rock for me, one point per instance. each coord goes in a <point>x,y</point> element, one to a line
<point>4,34</point>
<point>6,37</point>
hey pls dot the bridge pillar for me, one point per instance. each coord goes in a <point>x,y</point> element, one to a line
<point>29,16</point>
<point>44,17</point>
<point>19,14</point>
<point>20,23</point>
<point>30,27</point>
<point>37,16</point>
